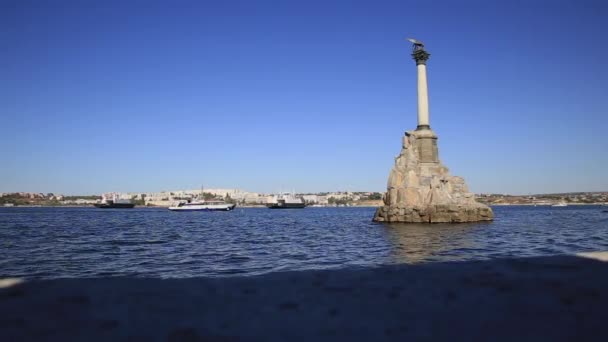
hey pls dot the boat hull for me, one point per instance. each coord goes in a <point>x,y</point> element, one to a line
<point>219,207</point>
<point>115,205</point>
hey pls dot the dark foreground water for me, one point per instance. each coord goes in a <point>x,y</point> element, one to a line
<point>90,242</point>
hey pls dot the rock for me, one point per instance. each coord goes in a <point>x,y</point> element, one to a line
<point>421,189</point>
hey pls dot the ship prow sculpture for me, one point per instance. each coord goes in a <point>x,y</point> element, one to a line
<point>420,188</point>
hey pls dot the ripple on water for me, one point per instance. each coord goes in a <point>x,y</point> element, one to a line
<point>87,242</point>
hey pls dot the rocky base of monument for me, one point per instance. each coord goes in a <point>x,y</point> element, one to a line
<point>434,214</point>
<point>421,189</point>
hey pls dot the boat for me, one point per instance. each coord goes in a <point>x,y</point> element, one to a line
<point>199,203</point>
<point>286,201</point>
<point>560,204</point>
<point>113,201</point>
<point>203,205</point>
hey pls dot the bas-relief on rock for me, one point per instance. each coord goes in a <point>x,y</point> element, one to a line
<point>421,189</point>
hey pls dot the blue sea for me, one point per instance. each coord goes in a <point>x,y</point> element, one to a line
<point>43,243</point>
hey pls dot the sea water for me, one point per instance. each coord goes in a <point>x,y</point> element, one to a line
<point>155,242</point>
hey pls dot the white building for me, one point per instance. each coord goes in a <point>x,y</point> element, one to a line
<point>314,199</point>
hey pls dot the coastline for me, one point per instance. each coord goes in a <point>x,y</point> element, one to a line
<point>312,206</point>
<point>546,205</point>
<point>544,298</point>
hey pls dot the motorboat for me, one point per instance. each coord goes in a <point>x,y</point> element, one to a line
<point>203,205</point>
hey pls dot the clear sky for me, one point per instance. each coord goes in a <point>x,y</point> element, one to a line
<point>305,95</point>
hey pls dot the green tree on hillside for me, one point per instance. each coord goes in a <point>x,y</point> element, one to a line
<point>375,196</point>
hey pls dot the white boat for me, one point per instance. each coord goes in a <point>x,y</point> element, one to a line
<point>560,204</point>
<point>200,204</point>
<point>203,206</point>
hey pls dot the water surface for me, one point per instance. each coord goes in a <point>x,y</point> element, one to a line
<point>154,242</point>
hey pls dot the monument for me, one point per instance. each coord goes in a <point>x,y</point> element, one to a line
<point>420,188</point>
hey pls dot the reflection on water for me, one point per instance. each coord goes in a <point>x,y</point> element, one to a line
<point>416,242</point>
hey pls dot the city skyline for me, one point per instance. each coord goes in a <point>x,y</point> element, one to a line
<point>116,97</point>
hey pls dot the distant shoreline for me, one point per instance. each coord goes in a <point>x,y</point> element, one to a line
<point>312,206</point>
<point>164,207</point>
<point>543,205</point>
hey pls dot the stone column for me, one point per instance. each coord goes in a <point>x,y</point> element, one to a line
<point>421,56</point>
<point>420,188</point>
<point>427,147</point>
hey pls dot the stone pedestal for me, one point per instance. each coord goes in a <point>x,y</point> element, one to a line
<point>427,145</point>
<point>421,189</point>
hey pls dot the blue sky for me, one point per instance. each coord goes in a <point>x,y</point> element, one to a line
<point>305,95</point>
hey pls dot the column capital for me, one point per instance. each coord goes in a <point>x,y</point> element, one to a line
<point>421,56</point>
